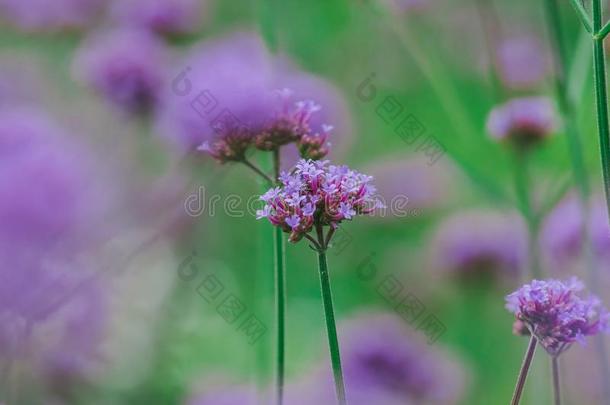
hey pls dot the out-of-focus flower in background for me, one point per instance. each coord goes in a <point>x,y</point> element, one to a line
<point>522,62</point>
<point>524,121</point>
<point>52,214</point>
<point>234,82</point>
<point>166,17</point>
<point>222,394</point>
<point>385,363</point>
<point>475,244</point>
<point>410,184</point>
<point>45,16</point>
<point>563,235</point>
<point>126,67</point>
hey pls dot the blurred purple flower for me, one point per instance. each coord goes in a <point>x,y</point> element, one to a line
<point>127,67</point>
<point>562,234</point>
<point>404,6</point>
<point>523,121</point>
<point>556,314</point>
<point>384,363</point>
<point>473,243</point>
<point>51,307</point>
<point>522,62</point>
<point>44,15</point>
<point>336,192</point>
<point>167,17</point>
<point>410,184</point>
<point>231,395</point>
<point>235,83</point>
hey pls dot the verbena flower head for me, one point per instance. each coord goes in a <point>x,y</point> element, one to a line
<point>317,193</point>
<point>232,90</point>
<point>166,17</point>
<point>43,15</point>
<point>522,62</point>
<point>480,243</point>
<point>385,363</point>
<point>556,314</point>
<point>125,66</point>
<point>523,121</point>
<point>562,236</point>
<point>290,123</point>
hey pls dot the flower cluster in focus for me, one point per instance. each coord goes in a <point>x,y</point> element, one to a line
<point>317,193</point>
<point>556,314</point>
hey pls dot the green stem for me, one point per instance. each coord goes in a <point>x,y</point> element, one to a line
<point>280,297</point>
<point>601,98</point>
<point>524,202</point>
<point>556,391</point>
<point>333,341</point>
<point>527,361</point>
<point>566,106</point>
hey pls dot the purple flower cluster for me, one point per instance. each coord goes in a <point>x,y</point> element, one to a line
<point>165,17</point>
<point>474,244</point>
<point>125,66</point>
<point>315,193</point>
<point>522,62</point>
<point>290,124</point>
<point>44,15</point>
<point>523,121</point>
<point>555,313</point>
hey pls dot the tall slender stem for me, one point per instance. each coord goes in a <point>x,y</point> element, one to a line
<point>556,392</point>
<point>329,314</point>
<point>601,97</point>
<point>526,208</point>
<point>280,297</point>
<point>577,157</point>
<point>527,361</point>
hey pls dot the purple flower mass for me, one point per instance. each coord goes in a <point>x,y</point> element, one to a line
<point>50,214</point>
<point>387,364</point>
<point>474,243</point>
<point>562,236</point>
<point>161,16</point>
<point>556,314</point>
<point>317,193</point>
<point>127,67</point>
<point>232,94</point>
<point>523,121</point>
<point>522,61</point>
<point>45,15</point>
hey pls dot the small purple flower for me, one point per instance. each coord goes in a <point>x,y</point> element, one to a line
<point>562,235</point>
<point>316,193</point>
<point>385,363</point>
<point>293,221</point>
<point>166,17</point>
<point>43,15</point>
<point>475,244</point>
<point>235,84</point>
<point>522,61</point>
<point>127,67</point>
<point>556,314</point>
<point>51,212</point>
<point>523,121</point>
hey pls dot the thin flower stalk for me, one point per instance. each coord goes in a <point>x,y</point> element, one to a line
<point>568,111</point>
<point>313,196</point>
<point>598,33</point>
<point>556,389</point>
<point>523,372</point>
<point>280,295</point>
